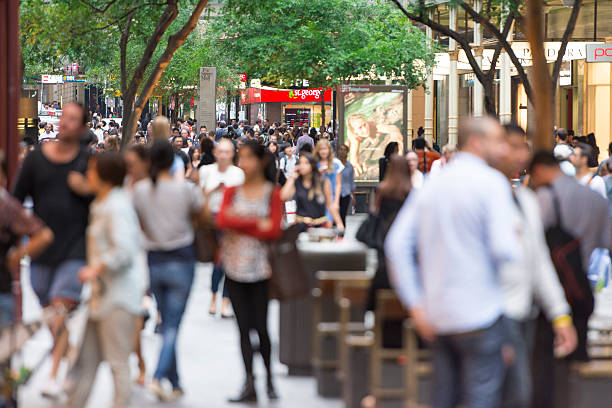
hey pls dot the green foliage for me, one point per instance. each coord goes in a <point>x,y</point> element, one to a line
<point>57,32</point>
<point>324,41</point>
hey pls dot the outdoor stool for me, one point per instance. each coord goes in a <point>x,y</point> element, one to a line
<point>327,328</point>
<point>396,373</point>
<point>356,385</point>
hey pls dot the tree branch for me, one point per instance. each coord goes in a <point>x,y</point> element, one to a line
<point>460,39</point>
<point>119,19</point>
<point>499,46</point>
<point>164,22</point>
<point>98,10</point>
<point>571,24</point>
<point>125,34</point>
<point>507,47</point>
<point>174,42</point>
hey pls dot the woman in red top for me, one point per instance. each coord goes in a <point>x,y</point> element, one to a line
<point>250,216</point>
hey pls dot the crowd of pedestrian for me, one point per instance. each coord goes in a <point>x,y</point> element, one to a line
<point>465,239</point>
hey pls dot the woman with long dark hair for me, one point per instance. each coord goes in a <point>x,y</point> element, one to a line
<point>312,193</point>
<point>166,208</point>
<point>390,197</point>
<point>391,149</point>
<point>250,216</point>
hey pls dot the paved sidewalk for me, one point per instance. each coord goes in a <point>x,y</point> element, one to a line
<point>209,362</point>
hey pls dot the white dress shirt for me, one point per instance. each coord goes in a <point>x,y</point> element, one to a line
<point>447,243</point>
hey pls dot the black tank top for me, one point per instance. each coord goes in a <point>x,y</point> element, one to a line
<point>314,208</point>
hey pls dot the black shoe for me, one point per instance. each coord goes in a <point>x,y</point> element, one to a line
<point>248,393</point>
<point>272,395</point>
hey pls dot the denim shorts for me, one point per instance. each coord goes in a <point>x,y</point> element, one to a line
<point>60,282</point>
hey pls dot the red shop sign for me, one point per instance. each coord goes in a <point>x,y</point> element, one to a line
<point>254,95</point>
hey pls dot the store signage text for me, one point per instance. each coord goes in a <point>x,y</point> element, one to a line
<point>256,95</point>
<point>599,53</point>
<point>304,94</point>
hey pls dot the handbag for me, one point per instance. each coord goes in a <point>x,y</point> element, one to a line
<point>372,232</point>
<point>289,277</point>
<point>205,242</point>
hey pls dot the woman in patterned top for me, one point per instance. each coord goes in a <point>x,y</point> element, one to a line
<point>250,216</point>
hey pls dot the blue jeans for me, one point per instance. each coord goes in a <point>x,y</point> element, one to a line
<point>170,283</point>
<point>217,276</point>
<point>7,309</point>
<point>517,386</point>
<point>469,369</point>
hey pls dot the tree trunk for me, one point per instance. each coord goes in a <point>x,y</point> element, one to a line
<point>174,42</point>
<point>541,78</point>
<point>489,98</point>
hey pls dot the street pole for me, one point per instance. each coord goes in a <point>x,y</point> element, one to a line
<point>542,90</point>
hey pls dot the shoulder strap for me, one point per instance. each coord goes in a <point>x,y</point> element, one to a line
<point>556,206</point>
<point>591,179</point>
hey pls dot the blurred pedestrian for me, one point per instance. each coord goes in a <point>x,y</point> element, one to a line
<point>448,151</point>
<point>214,179</point>
<point>347,191</point>
<point>166,209</point>
<point>330,168</point>
<point>530,281</point>
<point>580,159</point>
<point>416,174</point>
<point>249,217</point>
<point>44,176</point>
<point>15,222</point>
<point>580,216</point>
<point>390,196</point>
<point>426,155</point>
<point>312,193</point>
<point>114,272</point>
<point>391,149</point>
<point>459,223</point>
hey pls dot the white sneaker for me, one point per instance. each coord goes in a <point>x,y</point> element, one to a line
<point>52,389</point>
<point>156,388</point>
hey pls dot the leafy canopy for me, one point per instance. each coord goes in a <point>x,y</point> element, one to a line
<point>324,41</point>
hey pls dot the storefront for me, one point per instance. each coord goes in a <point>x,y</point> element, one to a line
<point>293,106</point>
<point>583,98</point>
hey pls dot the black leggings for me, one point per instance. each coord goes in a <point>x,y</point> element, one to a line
<point>250,303</point>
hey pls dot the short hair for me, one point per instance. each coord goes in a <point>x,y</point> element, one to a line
<point>140,150</point>
<point>610,147</point>
<point>543,158</point>
<point>305,148</point>
<point>471,127</point>
<point>449,148</point>
<point>419,143</point>
<point>176,137</point>
<point>110,167</point>
<point>585,150</point>
<point>562,134</point>
<point>514,128</point>
<point>203,127</point>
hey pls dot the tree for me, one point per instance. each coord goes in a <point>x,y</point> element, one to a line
<point>326,42</point>
<point>504,13</point>
<point>137,27</point>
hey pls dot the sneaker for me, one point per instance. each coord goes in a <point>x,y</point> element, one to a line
<point>52,389</point>
<point>176,393</point>
<point>157,390</point>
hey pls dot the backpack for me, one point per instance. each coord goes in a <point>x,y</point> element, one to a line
<point>282,179</point>
<point>567,259</point>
